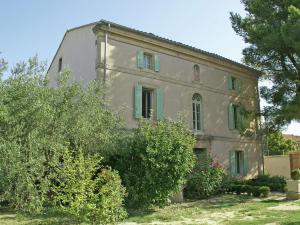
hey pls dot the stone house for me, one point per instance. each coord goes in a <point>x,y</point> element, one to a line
<point>144,73</point>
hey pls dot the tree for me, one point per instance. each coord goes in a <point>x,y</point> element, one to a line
<point>37,125</point>
<point>278,145</point>
<point>271,29</point>
<point>154,162</point>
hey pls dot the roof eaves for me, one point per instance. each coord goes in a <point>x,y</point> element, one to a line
<point>156,37</point>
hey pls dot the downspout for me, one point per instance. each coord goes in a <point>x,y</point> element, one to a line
<point>105,56</point>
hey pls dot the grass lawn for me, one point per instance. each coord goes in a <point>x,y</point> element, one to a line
<point>227,209</point>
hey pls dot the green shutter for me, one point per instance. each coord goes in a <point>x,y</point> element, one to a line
<point>239,117</point>
<point>245,161</point>
<point>156,63</point>
<point>232,163</point>
<point>231,116</point>
<point>140,59</point>
<point>159,104</point>
<point>229,82</point>
<point>138,101</point>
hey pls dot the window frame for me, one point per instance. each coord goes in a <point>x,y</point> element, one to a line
<point>149,63</point>
<point>146,113</point>
<point>197,112</point>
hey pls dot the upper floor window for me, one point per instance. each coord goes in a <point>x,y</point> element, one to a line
<point>234,116</point>
<point>234,83</point>
<point>197,111</point>
<point>147,102</point>
<point>60,64</point>
<point>196,73</point>
<point>148,61</point>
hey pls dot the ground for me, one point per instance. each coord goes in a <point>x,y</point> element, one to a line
<point>227,209</point>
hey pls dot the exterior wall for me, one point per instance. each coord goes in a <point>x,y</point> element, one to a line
<point>176,79</point>
<point>79,53</point>
<point>277,165</point>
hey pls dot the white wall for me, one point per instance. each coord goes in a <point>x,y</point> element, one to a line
<point>78,51</point>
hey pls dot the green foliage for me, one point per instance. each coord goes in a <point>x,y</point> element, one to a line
<point>278,145</point>
<point>154,161</point>
<point>37,124</point>
<point>205,182</point>
<point>271,30</point>
<point>275,183</point>
<point>255,191</point>
<point>264,191</point>
<point>87,191</point>
<point>295,174</point>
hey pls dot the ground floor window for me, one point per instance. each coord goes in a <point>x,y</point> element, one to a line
<point>238,162</point>
<point>202,158</point>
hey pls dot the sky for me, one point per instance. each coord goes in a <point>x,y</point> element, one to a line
<point>35,27</point>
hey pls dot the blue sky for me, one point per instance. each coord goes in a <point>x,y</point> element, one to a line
<point>35,27</point>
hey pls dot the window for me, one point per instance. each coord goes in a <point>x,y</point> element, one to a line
<point>196,73</point>
<point>234,83</point>
<point>234,116</point>
<point>147,102</point>
<point>239,162</point>
<point>197,123</point>
<point>202,158</point>
<point>59,64</point>
<point>148,61</point>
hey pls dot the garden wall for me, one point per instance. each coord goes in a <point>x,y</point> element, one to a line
<point>277,165</point>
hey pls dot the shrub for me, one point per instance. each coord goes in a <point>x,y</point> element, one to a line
<point>275,183</point>
<point>255,191</point>
<point>88,191</point>
<point>295,174</point>
<point>154,162</point>
<point>264,191</point>
<point>226,185</point>
<point>205,183</point>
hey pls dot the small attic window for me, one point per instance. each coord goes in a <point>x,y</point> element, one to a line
<point>59,64</point>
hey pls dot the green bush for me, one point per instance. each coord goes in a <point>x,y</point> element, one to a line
<point>205,182</point>
<point>154,162</point>
<point>275,183</point>
<point>86,190</point>
<point>264,191</point>
<point>255,191</point>
<point>295,174</point>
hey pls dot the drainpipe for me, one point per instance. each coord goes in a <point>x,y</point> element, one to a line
<point>105,56</point>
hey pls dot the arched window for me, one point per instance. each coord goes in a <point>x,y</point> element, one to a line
<point>197,112</point>
<point>196,73</point>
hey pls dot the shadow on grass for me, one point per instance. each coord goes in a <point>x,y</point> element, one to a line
<point>51,216</point>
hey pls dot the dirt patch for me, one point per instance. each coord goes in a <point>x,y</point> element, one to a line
<point>209,219</point>
<point>285,208</point>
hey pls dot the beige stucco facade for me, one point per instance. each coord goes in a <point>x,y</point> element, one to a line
<point>117,48</point>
